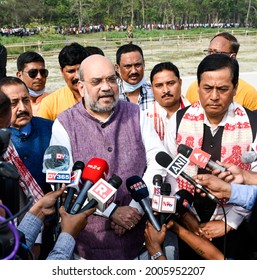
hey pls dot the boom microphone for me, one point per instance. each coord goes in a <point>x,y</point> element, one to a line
<point>73,187</point>
<point>139,192</point>
<point>95,169</point>
<point>165,161</point>
<point>199,157</point>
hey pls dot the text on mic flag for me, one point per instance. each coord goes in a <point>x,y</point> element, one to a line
<point>178,165</point>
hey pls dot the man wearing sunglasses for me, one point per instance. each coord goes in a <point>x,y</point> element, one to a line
<point>32,71</point>
<point>65,97</point>
<point>226,43</point>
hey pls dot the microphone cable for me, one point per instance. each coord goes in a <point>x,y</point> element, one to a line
<point>13,229</point>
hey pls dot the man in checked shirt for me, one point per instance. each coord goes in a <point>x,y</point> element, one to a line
<point>130,66</point>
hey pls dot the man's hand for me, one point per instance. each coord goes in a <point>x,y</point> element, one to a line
<point>233,174</point>
<point>216,186</point>
<point>126,217</point>
<point>213,229</point>
<point>46,205</point>
<point>119,230</point>
<point>73,224</point>
<point>153,238</point>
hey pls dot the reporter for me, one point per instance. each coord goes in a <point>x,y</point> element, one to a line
<point>71,225</point>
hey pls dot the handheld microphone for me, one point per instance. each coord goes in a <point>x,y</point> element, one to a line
<point>157,182</point>
<point>249,157</point>
<point>95,169</point>
<point>184,202</point>
<point>199,157</point>
<point>165,161</point>
<point>102,193</point>
<point>56,164</point>
<point>164,203</point>
<point>73,187</point>
<point>139,192</point>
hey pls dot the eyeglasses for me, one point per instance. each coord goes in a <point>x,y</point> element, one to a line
<point>34,72</point>
<point>97,82</point>
<point>208,52</point>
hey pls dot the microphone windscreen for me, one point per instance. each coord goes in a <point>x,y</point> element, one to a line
<point>165,189</point>
<point>185,150</point>
<point>57,157</point>
<point>95,169</point>
<point>163,159</point>
<point>137,188</point>
<point>5,135</point>
<point>157,179</point>
<point>115,181</point>
<point>184,201</point>
<point>248,157</point>
<point>78,165</point>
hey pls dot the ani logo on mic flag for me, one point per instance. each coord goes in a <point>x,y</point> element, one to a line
<point>178,165</point>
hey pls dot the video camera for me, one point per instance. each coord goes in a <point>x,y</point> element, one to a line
<point>12,241</point>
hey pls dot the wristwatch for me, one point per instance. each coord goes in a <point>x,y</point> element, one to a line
<point>157,255</point>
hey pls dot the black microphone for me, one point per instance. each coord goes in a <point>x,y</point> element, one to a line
<point>157,182</point>
<point>184,202</point>
<point>73,187</point>
<point>165,190</point>
<point>139,192</point>
<point>165,160</point>
<point>199,157</point>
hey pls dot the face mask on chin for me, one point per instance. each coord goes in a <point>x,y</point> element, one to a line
<point>130,88</point>
<point>34,93</point>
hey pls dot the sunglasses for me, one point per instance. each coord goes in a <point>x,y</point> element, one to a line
<point>34,72</point>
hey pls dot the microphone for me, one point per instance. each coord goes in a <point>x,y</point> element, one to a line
<point>56,163</point>
<point>157,182</point>
<point>199,157</point>
<point>249,157</point>
<point>102,193</point>
<point>73,187</point>
<point>139,192</point>
<point>5,135</point>
<point>165,161</point>
<point>95,169</point>
<point>164,203</point>
<point>183,204</point>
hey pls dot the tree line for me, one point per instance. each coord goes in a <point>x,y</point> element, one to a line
<point>123,12</point>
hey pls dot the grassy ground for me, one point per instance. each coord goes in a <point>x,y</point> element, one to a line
<point>183,48</point>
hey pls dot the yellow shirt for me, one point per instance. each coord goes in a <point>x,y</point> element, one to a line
<point>36,104</point>
<point>56,102</point>
<point>246,94</point>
